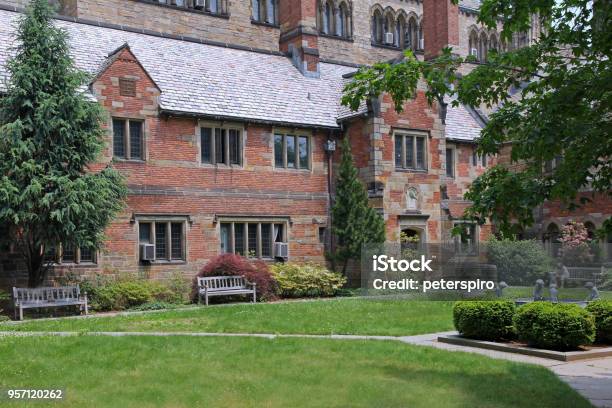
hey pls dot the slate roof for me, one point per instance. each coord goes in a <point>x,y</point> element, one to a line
<point>214,81</point>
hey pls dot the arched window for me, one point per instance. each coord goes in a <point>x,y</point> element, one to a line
<point>411,35</point>
<point>494,43</point>
<point>389,27</point>
<point>377,27</point>
<point>325,18</point>
<point>474,44</point>
<point>483,46</point>
<point>343,21</point>
<point>421,44</point>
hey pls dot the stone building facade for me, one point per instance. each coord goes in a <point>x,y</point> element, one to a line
<point>220,112</point>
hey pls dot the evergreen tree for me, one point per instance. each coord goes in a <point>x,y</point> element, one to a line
<point>49,134</point>
<point>354,222</point>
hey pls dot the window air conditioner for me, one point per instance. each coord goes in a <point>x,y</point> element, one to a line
<point>421,44</point>
<point>199,4</point>
<point>147,252</point>
<point>281,250</point>
<point>389,38</point>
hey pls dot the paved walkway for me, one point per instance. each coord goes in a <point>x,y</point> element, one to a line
<point>591,378</point>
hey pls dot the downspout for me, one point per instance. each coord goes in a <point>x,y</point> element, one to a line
<point>330,235</point>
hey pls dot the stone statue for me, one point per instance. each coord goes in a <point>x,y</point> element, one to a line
<point>554,293</point>
<point>539,288</point>
<point>594,293</point>
<point>499,290</point>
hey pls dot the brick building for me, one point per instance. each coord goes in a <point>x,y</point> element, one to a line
<point>219,113</point>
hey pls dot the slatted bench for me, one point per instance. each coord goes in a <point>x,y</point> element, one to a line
<point>223,286</point>
<point>30,298</point>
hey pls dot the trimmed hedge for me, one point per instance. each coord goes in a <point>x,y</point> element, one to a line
<point>602,312</point>
<point>484,320</point>
<point>309,279</point>
<point>555,326</point>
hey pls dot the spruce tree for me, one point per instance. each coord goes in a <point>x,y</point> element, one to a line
<point>354,222</point>
<point>50,132</point>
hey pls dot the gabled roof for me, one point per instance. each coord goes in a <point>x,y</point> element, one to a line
<point>207,80</point>
<point>221,82</point>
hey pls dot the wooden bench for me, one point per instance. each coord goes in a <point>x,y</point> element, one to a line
<point>223,286</point>
<point>30,298</point>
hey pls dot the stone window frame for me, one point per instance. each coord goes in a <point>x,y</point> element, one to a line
<point>57,257</point>
<point>226,126</point>
<point>340,11</point>
<point>189,6</point>
<point>285,221</point>
<point>126,138</point>
<point>263,6</point>
<point>400,23</point>
<point>453,172</point>
<point>169,219</point>
<point>297,133</point>
<point>416,134</point>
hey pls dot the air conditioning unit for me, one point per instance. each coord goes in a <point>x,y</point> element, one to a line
<point>389,38</point>
<point>421,44</point>
<point>281,250</point>
<point>147,252</point>
<point>199,4</point>
<point>474,52</point>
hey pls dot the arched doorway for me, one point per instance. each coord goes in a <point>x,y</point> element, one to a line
<point>551,239</point>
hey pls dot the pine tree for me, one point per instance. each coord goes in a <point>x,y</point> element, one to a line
<point>354,222</point>
<point>49,134</point>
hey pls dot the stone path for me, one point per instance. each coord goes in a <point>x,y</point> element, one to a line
<point>591,378</point>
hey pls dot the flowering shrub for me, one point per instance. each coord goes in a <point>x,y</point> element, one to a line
<point>575,241</point>
<point>306,280</point>
<point>235,265</point>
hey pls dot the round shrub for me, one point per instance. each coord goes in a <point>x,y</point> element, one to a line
<point>484,320</point>
<point>555,326</point>
<point>295,280</point>
<point>602,312</point>
<point>235,265</point>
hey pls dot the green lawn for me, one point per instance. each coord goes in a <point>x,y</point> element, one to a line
<point>248,372</point>
<point>338,316</point>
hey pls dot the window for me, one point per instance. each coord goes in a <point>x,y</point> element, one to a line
<point>450,162</point>
<point>334,20</point>
<point>168,236</point>
<point>128,139</point>
<point>377,27</point>
<point>467,240</point>
<point>253,239</point>
<point>479,159</point>
<point>221,146</point>
<point>265,11</point>
<point>209,6</point>
<point>410,152</point>
<point>291,151</point>
<point>322,235</point>
<point>69,254</point>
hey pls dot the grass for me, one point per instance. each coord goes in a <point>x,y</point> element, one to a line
<point>338,316</point>
<point>248,372</point>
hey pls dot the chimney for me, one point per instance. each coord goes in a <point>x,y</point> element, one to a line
<point>299,37</point>
<point>440,26</point>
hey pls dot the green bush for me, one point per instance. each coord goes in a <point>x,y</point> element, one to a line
<point>484,320</point>
<point>519,262</point>
<point>602,312</point>
<point>296,280</point>
<point>555,326</point>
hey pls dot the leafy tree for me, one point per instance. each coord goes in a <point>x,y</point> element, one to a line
<point>551,99</point>
<point>49,133</point>
<point>354,222</point>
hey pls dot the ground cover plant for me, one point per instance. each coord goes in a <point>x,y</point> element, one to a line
<point>190,372</point>
<point>338,316</point>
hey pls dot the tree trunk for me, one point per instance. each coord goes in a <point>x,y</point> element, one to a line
<point>36,268</point>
